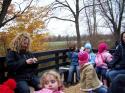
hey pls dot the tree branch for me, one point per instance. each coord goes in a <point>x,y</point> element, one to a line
<point>66,5</point>
<point>89,6</point>
<point>5,6</point>
<point>63,19</point>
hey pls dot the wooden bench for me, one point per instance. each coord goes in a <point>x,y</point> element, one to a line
<point>64,70</point>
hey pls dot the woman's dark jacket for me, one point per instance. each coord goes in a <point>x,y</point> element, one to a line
<point>17,66</point>
<point>118,84</point>
<point>118,61</point>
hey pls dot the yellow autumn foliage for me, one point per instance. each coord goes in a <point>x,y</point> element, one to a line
<point>26,22</point>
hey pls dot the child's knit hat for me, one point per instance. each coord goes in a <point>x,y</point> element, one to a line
<point>83,57</point>
<point>88,45</point>
<point>8,86</point>
<point>11,83</point>
<point>102,46</point>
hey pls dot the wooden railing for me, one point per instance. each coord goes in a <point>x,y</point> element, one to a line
<point>51,59</point>
<point>46,60</point>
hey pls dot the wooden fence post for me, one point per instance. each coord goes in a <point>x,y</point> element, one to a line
<point>57,60</point>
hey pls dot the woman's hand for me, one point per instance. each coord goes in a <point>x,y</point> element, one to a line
<point>34,59</point>
<point>30,61</point>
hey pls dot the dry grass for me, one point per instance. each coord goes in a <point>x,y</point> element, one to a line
<point>72,89</point>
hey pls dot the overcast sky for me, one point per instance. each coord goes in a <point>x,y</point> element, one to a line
<point>59,27</point>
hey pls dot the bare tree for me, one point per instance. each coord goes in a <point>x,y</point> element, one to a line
<point>113,11</point>
<point>88,21</point>
<point>90,14</point>
<point>74,13</point>
<point>5,4</point>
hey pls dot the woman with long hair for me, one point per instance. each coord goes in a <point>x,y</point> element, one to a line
<point>22,64</point>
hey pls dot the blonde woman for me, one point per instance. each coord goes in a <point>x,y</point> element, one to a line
<point>22,64</point>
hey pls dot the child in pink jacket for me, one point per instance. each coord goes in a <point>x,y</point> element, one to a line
<point>51,83</point>
<point>101,60</point>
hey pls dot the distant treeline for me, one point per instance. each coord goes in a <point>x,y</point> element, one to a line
<point>71,38</point>
<point>93,40</point>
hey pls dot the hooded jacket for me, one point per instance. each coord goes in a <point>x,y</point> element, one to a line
<point>74,58</point>
<point>91,54</point>
<point>103,56</point>
<point>102,59</point>
<point>88,78</point>
<point>118,61</point>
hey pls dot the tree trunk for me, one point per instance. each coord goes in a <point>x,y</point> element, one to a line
<point>78,34</point>
<point>116,34</point>
<point>77,24</point>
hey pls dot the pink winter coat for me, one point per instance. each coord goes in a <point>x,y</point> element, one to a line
<point>44,90</point>
<point>101,58</point>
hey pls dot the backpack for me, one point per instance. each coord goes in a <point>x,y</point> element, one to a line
<point>99,60</point>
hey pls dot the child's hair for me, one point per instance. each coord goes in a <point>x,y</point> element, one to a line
<point>56,76</point>
<point>72,47</point>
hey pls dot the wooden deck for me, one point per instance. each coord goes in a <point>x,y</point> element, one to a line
<point>72,89</point>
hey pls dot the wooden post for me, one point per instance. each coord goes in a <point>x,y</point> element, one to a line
<point>57,61</point>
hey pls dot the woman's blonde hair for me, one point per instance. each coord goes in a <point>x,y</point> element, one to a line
<point>15,45</point>
<point>53,73</point>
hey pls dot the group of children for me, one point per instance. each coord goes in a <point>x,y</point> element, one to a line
<point>88,66</point>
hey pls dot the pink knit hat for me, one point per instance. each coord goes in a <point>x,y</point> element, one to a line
<point>83,57</point>
<point>102,46</point>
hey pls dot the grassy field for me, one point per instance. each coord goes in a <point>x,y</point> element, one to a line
<point>57,45</point>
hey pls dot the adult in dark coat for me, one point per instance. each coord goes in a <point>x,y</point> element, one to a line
<point>22,64</point>
<point>117,65</point>
<point>118,84</point>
